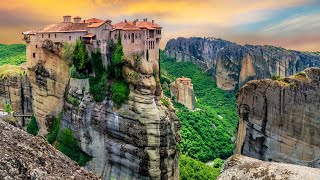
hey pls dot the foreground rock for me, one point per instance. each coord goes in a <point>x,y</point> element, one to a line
<point>232,65</point>
<point>239,167</point>
<point>24,156</point>
<point>280,119</point>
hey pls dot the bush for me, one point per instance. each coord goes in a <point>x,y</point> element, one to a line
<point>68,145</point>
<point>99,87</point>
<point>120,92</point>
<point>72,100</point>
<point>117,59</point>
<point>217,163</point>
<point>165,102</point>
<point>53,132</point>
<point>275,77</point>
<point>73,72</point>
<point>302,74</point>
<point>7,108</point>
<point>33,127</point>
<point>68,52</point>
<point>97,64</point>
<point>81,59</point>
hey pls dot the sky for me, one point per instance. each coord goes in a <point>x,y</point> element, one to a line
<point>291,24</point>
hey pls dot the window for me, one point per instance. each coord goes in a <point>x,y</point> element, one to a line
<point>69,38</point>
<point>132,38</point>
<point>128,36</point>
<point>34,55</point>
<point>139,35</point>
<point>36,46</point>
<point>125,36</point>
<point>42,35</point>
<point>48,35</point>
<point>55,35</point>
<point>136,36</point>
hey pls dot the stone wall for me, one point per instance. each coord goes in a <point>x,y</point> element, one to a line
<point>279,120</point>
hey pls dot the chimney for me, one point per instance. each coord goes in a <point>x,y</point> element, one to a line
<point>125,21</point>
<point>66,18</point>
<point>146,20</point>
<point>152,21</point>
<point>77,19</point>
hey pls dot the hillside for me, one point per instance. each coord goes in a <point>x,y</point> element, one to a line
<point>232,65</point>
<point>207,133</point>
<point>14,54</point>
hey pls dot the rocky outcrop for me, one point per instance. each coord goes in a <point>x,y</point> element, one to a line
<point>49,75</point>
<point>280,119</point>
<point>239,167</point>
<point>181,91</point>
<point>136,141</point>
<point>232,65</point>
<point>16,90</point>
<point>24,156</point>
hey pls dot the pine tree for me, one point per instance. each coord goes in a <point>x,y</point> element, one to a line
<point>118,59</point>
<point>32,127</point>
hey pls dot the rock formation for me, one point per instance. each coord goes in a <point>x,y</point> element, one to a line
<point>232,65</point>
<point>182,92</point>
<point>280,119</point>
<point>24,156</point>
<point>239,167</point>
<point>136,141</point>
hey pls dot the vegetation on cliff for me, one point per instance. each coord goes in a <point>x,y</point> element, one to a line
<point>206,133</point>
<point>8,70</point>
<point>33,127</point>
<point>14,54</point>
<point>193,169</point>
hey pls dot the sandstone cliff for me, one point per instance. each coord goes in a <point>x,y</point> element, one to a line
<point>232,65</point>
<point>280,119</point>
<point>136,141</point>
<point>24,156</point>
<point>239,167</point>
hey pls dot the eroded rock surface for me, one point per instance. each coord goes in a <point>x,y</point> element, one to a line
<point>232,65</point>
<point>24,156</point>
<point>136,141</point>
<point>239,167</point>
<point>280,119</point>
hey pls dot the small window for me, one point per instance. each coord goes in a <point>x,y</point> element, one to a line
<point>48,35</point>
<point>125,36</point>
<point>139,35</point>
<point>42,35</point>
<point>129,36</point>
<point>34,55</point>
<point>55,35</point>
<point>136,36</point>
<point>69,38</point>
<point>36,46</point>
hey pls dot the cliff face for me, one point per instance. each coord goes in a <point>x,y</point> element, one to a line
<point>24,156</point>
<point>49,76</point>
<point>232,65</point>
<point>239,167</point>
<point>136,141</point>
<point>280,119</point>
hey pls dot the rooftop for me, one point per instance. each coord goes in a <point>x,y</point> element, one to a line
<point>136,25</point>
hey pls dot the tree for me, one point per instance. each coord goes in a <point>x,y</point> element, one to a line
<point>118,58</point>
<point>81,59</point>
<point>33,127</point>
<point>120,92</point>
<point>73,72</point>
<point>68,52</point>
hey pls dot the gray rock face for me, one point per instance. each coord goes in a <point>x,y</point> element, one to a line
<point>232,65</point>
<point>24,156</point>
<point>280,119</point>
<point>136,141</point>
<point>239,167</point>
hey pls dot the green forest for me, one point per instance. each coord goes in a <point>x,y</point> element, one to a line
<point>206,133</point>
<point>13,54</point>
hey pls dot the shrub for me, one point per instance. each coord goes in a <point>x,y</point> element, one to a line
<point>81,59</point>
<point>99,87</point>
<point>53,132</point>
<point>7,108</point>
<point>97,64</point>
<point>72,100</point>
<point>120,92</point>
<point>68,145</point>
<point>275,77</point>
<point>68,52</point>
<point>73,72</point>
<point>217,163</point>
<point>117,59</point>
<point>33,127</point>
<point>302,74</point>
<point>165,102</point>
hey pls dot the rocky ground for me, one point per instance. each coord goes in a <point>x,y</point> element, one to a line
<point>240,167</point>
<point>24,156</point>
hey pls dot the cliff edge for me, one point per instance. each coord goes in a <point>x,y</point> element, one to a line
<point>280,119</point>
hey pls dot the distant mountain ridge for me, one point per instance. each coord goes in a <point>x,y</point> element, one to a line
<point>232,65</point>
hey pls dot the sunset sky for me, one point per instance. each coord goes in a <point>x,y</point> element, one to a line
<point>292,24</point>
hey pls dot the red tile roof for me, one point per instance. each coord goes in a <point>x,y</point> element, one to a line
<point>94,25</point>
<point>93,20</point>
<point>65,27</point>
<point>125,26</point>
<point>136,26</point>
<point>89,35</point>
